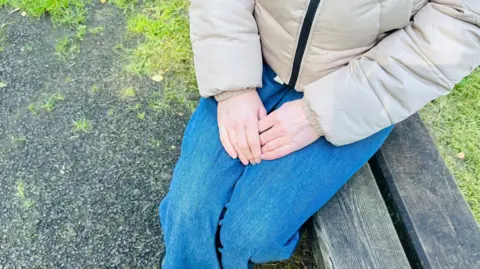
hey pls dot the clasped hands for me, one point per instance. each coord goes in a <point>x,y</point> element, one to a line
<point>248,133</point>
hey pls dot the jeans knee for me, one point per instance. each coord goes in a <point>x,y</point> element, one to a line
<point>186,209</point>
<point>245,239</point>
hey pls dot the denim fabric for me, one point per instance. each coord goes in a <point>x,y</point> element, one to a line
<point>222,214</point>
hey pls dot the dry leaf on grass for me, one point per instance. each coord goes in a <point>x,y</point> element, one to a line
<point>157,78</point>
<point>103,1</point>
<point>461,155</point>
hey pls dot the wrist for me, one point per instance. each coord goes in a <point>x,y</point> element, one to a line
<point>312,117</point>
<point>229,94</point>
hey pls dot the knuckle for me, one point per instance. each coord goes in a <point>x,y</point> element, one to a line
<point>275,144</point>
<point>254,142</point>
<point>236,122</point>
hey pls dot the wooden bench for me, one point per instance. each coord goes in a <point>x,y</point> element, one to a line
<point>402,210</point>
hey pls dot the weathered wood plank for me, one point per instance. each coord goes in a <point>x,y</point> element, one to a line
<point>354,229</point>
<point>429,210</point>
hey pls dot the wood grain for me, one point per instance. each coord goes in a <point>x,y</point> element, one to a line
<point>439,228</point>
<point>354,229</point>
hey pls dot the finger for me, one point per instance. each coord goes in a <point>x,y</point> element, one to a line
<point>243,144</point>
<point>227,145</point>
<point>278,153</point>
<point>241,156</point>
<point>275,144</point>
<point>254,142</point>
<point>262,113</point>
<point>267,122</point>
<point>274,133</point>
<point>233,139</point>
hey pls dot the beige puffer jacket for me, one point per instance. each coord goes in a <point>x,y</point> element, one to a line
<point>362,65</point>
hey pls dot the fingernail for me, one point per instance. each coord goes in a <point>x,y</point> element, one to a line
<point>259,160</point>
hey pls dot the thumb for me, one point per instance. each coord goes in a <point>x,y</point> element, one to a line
<point>262,112</point>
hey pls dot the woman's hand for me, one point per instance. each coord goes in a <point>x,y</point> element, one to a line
<point>286,130</point>
<point>238,119</point>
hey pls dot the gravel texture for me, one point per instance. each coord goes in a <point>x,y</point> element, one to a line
<point>75,199</point>
<point>72,199</point>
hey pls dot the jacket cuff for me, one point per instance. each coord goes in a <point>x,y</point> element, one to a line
<point>312,118</point>
<point>229,94</point>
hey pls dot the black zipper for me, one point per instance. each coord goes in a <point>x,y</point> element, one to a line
<point>303,40</point>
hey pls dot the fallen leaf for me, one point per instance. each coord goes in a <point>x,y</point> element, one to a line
<point>24,14</point>
<point>103,1</point>
<point>461,155</point>
<point>157,78</point>
<point>3,84</point>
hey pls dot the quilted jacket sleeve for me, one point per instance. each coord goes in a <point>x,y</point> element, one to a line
<point>396,78</point>
<point>226,46</point>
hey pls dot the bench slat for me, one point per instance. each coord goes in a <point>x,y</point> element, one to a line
<point>354,229</point>
<point>429,208</point>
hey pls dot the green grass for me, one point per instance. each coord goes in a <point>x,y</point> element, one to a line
<point>141,115</point>
<point>96,30</point>
<point>95,89</point>
<point>454,122</point>
<point>26,49</point>
<point>82,125</point>
<point>49,103</point>
<point>62,46</point>
<point>70,13</point>
<point>135,107</point>
<point>26,202</point>
<point>128,93</point>
<point>62,12</point>
<point>21,139</point>
<point>66,46</point>
<point>81,32</point>
<point>165,50</point>
<point>155,143</point>
<point>3,37</point>
<point>158,105</point>
<point>124,4</point>
<point>32,108</point>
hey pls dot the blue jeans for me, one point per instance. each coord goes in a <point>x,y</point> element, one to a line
<point>222,214</point>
